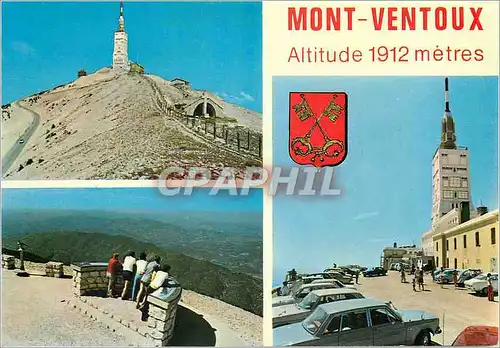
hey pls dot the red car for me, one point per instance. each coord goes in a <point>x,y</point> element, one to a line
<point>478,336</point>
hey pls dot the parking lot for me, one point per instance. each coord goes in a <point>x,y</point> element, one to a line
<point>455,308</point>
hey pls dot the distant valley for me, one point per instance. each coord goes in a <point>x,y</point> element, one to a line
<point>203,277</point>
<point>229,239</point>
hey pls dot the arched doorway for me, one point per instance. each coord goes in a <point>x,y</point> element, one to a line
<point>198,111</point>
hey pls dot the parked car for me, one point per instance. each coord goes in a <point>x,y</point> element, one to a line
<point>306,279</point>
<point>343,270</point>
<point>332,269</point>
<point>477,336</point>
<point>350,271</point>
<point>479,284</point>
<point>334,281</point>
<point>466,275</point>
<point>309,277</point>
<point>339,275</point>
<point>393,267</point>
<point>401,265</point>
<point>446,277</point>
<point>374,271</point>
<point>293,313</point>
<point>302,292</point>
<point>437,272</point>
<point>359,322</point>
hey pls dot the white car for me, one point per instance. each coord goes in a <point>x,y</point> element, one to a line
<point>334,281</point>
<point>480,284</point>
<point>302,292</point>
<point>295,312</point>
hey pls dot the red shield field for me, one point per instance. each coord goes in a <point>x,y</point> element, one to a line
<point>318,128</point>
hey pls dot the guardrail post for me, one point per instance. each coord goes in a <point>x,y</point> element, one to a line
<point>260,145</point>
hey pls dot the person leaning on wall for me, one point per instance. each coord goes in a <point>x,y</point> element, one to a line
<point>129,267</point>
<point>113,267</point>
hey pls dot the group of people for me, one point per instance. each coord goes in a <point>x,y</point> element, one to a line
<point>143,276</point>
<point>417,277</point>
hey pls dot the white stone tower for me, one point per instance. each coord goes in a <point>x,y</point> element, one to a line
<point>120,55</point>
<point>450,170</point>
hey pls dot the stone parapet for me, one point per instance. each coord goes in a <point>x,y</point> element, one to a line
<point>54,269</point>
<point>89,279</point>
<point>8,262</point>
<point>162,312</point>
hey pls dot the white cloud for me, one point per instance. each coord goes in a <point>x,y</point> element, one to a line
<point>240,98</point>
<point>22,47</point>
<point>364,216</point>
<point>247,96</point>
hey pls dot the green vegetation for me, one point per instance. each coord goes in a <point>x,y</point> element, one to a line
<point>222,119</point>
<point>232,240</point>
<point>136,68</point>
<point>203,277</point>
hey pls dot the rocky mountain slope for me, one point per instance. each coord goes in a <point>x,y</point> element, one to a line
<point>110,126</point>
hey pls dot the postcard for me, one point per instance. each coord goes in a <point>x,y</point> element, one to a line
<point>250,173</point>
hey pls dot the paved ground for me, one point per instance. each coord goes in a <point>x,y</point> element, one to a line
<point>244,328</point>
<point>455,308</point>
<point>33,315</point>
<point>16,148</point>
<point>35,312</point>
<point>192,328</point>
<point>15,127</point>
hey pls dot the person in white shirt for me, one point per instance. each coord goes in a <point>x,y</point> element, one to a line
<point>140,269</point>
<point>158,279</point>
<point>128,272</point>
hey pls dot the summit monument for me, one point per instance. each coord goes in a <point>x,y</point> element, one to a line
<point>120,55</point>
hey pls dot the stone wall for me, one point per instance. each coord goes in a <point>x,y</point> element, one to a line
<point>162,312</point>
<point>8,262</point>
<point>54,269</point>
<point>89,279</point>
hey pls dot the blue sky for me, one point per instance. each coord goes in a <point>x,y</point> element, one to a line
<point>128,200</point>
<point>216,46</point>
<point>394,129</point>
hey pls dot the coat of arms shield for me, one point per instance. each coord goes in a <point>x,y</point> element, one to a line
<point>318,128</point>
